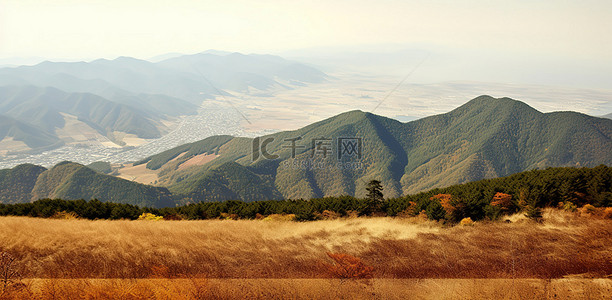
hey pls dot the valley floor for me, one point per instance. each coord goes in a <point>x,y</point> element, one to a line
<point>567,256</point>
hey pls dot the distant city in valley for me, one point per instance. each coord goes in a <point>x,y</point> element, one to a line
<point>258,95</point>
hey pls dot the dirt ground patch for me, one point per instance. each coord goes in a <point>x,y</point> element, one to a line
<point>138,173</point>
<point>197,160</point>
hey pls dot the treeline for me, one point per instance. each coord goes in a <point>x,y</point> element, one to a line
<point>484,199</point>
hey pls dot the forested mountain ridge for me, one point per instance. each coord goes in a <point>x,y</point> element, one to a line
<point>67,180</point>
<point>567,188</point>
<point>16,184</point>
<point>484,138</point>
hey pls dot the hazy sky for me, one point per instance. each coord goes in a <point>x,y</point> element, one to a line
<point>575,31</point>
<point>77,28</point>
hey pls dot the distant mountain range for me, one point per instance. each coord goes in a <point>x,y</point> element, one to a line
<point>47,108</point>
<point>484,138</point>
<point>187,77</point>
<point>46,105</point>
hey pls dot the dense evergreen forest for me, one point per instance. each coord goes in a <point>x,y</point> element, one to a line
<point>484,199</point>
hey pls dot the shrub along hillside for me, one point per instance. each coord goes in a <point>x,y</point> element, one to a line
<point>484,199</point>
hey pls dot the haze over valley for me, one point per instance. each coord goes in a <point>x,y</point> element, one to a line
<point>85,112</point>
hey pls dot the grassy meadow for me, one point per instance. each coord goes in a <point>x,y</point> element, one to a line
<point>568,255</point>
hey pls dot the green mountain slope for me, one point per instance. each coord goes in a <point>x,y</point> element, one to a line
<point>42,107</point>
<point>228,182</point>
<point>490,137</point>
<point>16,184</point>
<point>567,186</point>
<point>485,138</point>
<point>33,137</point>
<point>74,181</point>
<point>101,167</point>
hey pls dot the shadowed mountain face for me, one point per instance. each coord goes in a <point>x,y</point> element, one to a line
<point>485,138</point>
<point>16,184</point>
<point>32,137</point>
<point>46,109</point>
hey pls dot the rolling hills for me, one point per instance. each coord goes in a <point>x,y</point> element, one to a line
<point>16,184</point>
<point>106,100</point>
<point>67,180</point>
<point>53,115</point>
<point>239,72</point>
<point>18,136</point>
<point>189,77</point>
<point>484,138</point>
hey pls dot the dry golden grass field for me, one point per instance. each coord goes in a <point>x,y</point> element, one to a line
<point>567,256</point>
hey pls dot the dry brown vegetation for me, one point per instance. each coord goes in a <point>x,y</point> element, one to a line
<point>176,289</point>
<point>220,256</point>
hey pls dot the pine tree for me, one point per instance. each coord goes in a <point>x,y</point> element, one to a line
<point>533,212</point>
<point>375,196</point>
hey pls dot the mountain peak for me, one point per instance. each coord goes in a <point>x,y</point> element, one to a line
<point>355,112</point>
<point>350,116</point>
<point>486,102</point>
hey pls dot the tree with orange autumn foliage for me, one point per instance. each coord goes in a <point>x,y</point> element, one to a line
<point>445,200</point>
<point>453,207</point>
<point>502,200</point>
